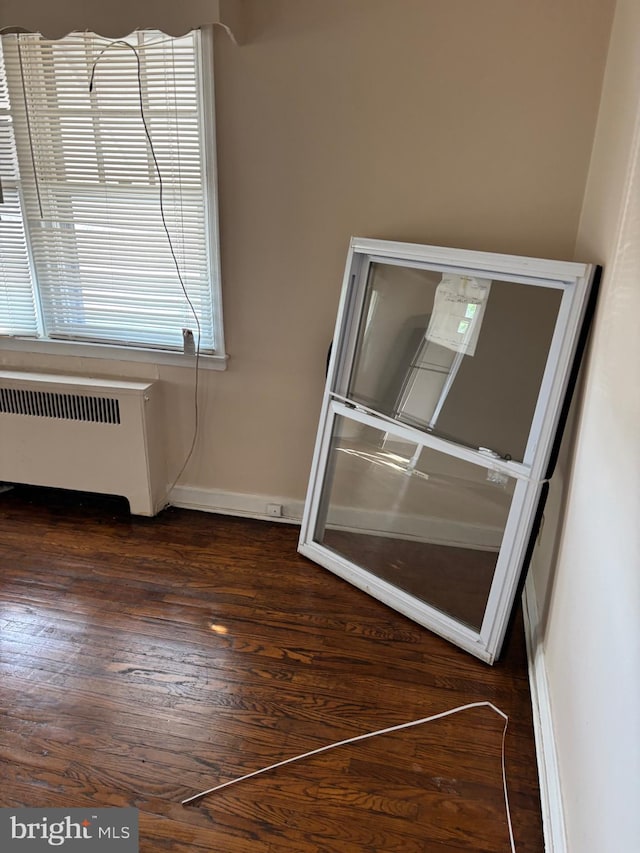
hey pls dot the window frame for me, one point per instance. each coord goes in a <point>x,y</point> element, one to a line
<point>577,283</point>
<point>148,354</point>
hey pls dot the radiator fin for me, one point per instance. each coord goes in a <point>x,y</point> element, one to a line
<point>49,404</point>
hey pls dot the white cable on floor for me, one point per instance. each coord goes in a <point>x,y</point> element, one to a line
<point>384,732</point>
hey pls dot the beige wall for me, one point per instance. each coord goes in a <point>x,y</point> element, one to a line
<point>459,123</point>
<point>587,570</point>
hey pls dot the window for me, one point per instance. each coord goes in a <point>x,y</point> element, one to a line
<point>109,210</point>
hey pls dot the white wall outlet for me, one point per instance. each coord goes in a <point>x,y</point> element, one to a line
<point>275,510</point>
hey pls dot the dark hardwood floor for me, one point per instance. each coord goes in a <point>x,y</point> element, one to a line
<point>456,581</point>
<point>143,660</point>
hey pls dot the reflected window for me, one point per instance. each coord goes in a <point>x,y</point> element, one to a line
<point>451,354</point>
<point>428,523</point>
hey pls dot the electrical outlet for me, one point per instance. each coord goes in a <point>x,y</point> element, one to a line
<point>275,510</point>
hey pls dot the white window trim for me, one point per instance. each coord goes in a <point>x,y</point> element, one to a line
<point>107,352</point>
<point>150,355</point>
<point>207,95</point>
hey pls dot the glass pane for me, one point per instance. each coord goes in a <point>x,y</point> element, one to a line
<point>459,356</point>
<point>428,523</point>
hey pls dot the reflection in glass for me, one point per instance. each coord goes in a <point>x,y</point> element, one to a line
<point>409,366</point>
<point>428,523</point>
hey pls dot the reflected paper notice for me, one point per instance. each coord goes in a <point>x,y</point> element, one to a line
<point>458,310</point>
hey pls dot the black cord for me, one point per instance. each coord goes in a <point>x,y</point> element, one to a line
<point>169,240</point>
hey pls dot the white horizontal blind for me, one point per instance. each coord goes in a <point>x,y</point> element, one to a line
<point>92,193</point>
<point>17,298</point>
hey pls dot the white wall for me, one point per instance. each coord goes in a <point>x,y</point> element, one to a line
<point>588,575</point>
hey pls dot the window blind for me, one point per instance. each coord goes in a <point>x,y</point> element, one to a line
<point>105,269</point>
<point>17,297</point>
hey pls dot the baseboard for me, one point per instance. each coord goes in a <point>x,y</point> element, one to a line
<point>236,503</point>
<point>374,523</point>
<point>555,840</point>
<point>419,528</point>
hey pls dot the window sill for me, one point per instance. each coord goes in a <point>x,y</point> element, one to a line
<point>107,352</point>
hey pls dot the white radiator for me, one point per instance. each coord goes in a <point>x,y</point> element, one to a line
<point>93,435</point>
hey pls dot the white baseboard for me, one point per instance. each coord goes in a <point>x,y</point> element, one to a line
<point>435,530</point>
<point>236,503</point>
<point>555,840</point>
<point>418,528</point>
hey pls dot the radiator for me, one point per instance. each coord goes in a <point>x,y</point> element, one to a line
<point>92,435</point>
